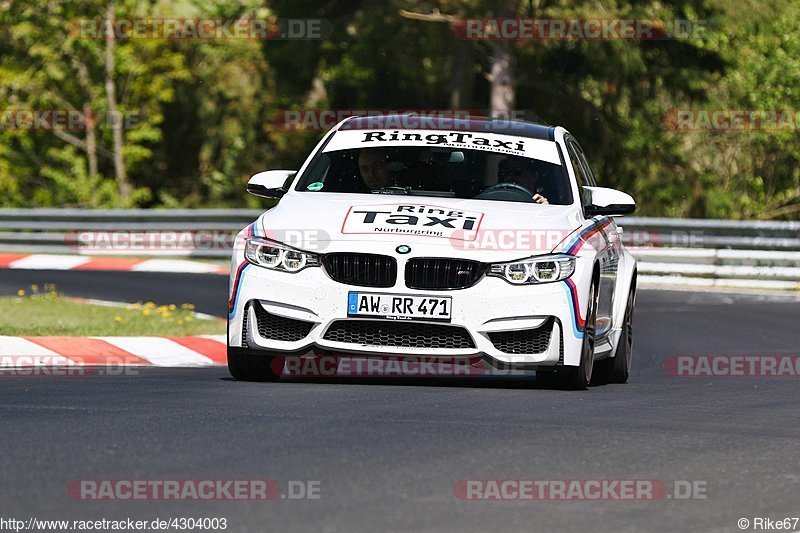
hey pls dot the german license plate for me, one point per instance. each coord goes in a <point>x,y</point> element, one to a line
<point>399,306</point>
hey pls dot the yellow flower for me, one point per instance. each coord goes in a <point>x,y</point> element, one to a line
<point>146,312</point>
<point>35,288</point>
<point>171,307</point>
<point>118,318</point>
<point>20,293</point>
<point>187,306</point>
<point>150,305</point>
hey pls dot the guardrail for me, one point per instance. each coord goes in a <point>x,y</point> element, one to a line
<point>59,230</point>
<point>702,233</point>
<point>670,250</point>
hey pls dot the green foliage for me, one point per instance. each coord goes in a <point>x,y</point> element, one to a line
<point>202,112</point>
<point>48,313</point>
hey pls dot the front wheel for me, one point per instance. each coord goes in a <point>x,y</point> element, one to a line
<point>617,369</point>
<point>246,366</point>
<point>578,377</point>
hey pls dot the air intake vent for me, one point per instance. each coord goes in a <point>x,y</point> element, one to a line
<point>279,328</point>
<point>523,340</point>
<point>399,333</point>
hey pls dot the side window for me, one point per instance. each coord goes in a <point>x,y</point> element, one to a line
<point>579,171</point>
<point>587,169</point>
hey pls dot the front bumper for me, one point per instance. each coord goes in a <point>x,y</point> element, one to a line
<point>495,315</point>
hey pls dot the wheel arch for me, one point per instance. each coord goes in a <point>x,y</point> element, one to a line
<point>627,278</point>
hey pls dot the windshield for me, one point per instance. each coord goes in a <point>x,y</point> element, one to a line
<point>431,165</point>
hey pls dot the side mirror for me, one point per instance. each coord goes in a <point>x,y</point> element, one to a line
<point>270,184</point>
<point>605,201</point>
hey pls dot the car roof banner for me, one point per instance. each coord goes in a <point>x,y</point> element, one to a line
<point>467,140</point>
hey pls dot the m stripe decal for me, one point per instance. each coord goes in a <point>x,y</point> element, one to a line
<point>251,230</point>
<point>584,235</point>
<point>578,323</point>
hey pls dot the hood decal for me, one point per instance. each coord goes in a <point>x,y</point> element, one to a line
<point>412,219</point>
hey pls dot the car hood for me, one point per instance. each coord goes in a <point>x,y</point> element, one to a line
<point>443,227</point>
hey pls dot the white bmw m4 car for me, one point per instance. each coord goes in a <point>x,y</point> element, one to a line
<point>437,238</point>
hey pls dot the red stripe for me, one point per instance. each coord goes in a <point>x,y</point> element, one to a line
<point>7,259</point>
<point>83,350</point>
<point>235,288</point>
<point>583,239</point>
<point>214,350</point>
<point>109,263</point>
<point>581,322</point>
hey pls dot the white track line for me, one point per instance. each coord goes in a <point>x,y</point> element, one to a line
<point>222,339</point>
<point>174,265</point>
<point>160,351</point>
<point>49,262</point>
<point>16,351</point>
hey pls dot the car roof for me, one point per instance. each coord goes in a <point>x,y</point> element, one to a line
<point>520,128</point>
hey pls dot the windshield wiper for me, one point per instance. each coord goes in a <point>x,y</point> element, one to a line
<point>392,190</point>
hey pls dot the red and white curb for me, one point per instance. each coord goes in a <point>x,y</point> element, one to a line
<point>193,351</point>
<point>80,262</point>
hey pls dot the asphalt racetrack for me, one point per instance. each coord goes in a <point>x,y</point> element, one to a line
<point>387,453</point>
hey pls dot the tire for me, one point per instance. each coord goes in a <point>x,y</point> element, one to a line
<point>617,369</point>
<point>246,366</point>
<point>579,377</point>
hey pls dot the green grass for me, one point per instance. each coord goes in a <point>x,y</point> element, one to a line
<point>51,314</point>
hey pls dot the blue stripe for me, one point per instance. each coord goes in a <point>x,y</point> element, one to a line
<point>240,272</point>
<point>595,224</point>
<point>572,304</point>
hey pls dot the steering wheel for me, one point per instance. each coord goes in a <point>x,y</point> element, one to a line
<point>508,191</point>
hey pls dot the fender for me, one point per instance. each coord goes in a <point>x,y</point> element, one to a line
<point>625,278</point>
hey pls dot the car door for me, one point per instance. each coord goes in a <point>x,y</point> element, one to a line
<point>609,246</point>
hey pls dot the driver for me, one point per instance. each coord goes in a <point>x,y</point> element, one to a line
<point>523,172</point>
<point>372,165</point>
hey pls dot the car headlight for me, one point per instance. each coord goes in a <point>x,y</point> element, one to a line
<point>277,256</point>
<point>542,269</point>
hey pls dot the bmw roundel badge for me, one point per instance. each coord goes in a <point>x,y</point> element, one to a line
<point>403,249</point>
